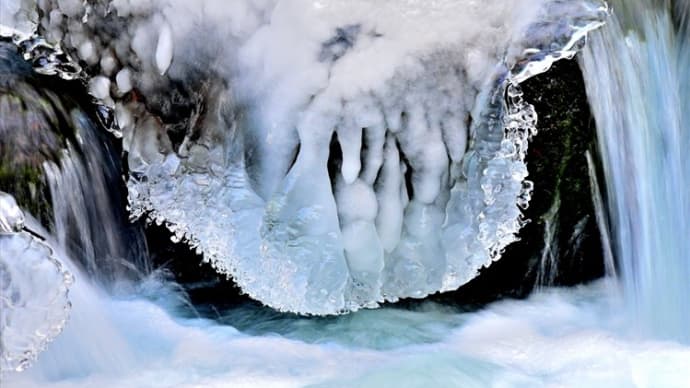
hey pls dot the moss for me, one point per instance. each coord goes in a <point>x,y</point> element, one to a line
<point>35,128</point>
<point>27,184</point>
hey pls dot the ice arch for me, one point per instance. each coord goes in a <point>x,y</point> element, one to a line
<point>328,155</point>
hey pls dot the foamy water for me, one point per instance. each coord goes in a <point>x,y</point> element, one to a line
<point>557,338</point>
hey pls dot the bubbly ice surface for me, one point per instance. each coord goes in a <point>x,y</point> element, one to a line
<point>34,304</point>
<point>328,155</point>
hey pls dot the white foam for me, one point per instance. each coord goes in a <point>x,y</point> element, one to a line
<point>564,338</point>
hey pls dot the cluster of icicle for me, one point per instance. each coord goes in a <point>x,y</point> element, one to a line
<point>34,286</point>
<point>327,155</point>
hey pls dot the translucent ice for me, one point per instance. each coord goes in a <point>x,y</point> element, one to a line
<point>336,154</point>
<point>34,304</point>
<point>11,216</point>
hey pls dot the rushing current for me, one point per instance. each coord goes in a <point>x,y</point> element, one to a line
<point>331,156</point>
<point>637,72</point>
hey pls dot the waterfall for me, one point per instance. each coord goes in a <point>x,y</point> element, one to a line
<point>87,238</point>
<point>601,217</point>
<point>87,204</point>
<point>548,262</point>
<point>637,73</point>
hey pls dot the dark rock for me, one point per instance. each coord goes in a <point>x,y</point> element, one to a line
<point>205,287</point>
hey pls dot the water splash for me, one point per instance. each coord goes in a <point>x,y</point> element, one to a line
<point>567,338</point>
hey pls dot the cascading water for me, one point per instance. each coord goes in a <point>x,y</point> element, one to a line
<point>548,263</point>
<point>87,216</point>
<point>637,72</point>
<point>77,158</point>
<point>86,237</point>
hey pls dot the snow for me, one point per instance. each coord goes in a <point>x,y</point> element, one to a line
<point>124,80</point>
<point>99,87</point>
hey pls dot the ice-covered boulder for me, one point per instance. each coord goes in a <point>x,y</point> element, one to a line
<point>327,155</point>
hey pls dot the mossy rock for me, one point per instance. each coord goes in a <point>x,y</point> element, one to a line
<point>36,127</point>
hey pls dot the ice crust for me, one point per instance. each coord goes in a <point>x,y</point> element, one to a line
<point>338,154</point>
<point>34,303</point>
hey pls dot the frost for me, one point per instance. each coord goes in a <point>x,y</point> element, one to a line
<point>334,155</point>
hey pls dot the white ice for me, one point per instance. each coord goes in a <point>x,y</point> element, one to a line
<point>430,172</point>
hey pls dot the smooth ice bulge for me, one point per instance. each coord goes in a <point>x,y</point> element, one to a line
<point>34,304</point>
<point>328,155</point>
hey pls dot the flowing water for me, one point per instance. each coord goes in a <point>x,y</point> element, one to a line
<point>88,221</point>
<point>637,72</point>
<point>557,338</point>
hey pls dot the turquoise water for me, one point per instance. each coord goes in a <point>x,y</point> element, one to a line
<point>556,338</point>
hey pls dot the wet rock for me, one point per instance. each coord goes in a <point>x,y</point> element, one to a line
<point>32,130</point>
<point>49,124</point>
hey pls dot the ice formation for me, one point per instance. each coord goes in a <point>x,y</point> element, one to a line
<point>34,304</point>
<point>328,155</point>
